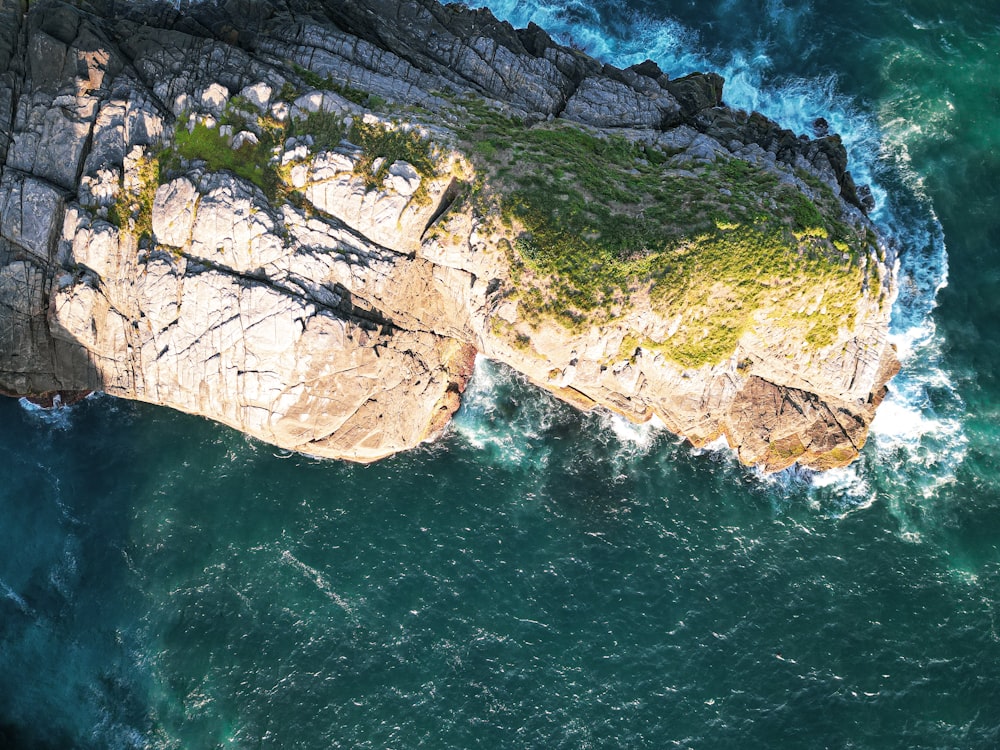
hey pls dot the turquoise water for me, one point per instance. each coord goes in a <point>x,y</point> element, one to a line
<point>545,578</point>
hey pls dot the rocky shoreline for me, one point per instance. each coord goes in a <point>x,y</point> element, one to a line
<point>303,223</point>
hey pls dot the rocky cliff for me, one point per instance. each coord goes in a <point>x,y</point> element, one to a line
<point>304,220</point>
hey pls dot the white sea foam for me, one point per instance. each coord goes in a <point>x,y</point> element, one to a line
<point>641,436</point>
<point>719,449</point>
<point>65,575</point>
<point>842,491</point>
<point>9,593</point>
<point>918,432</point>
<point>317,579</point>
<point>58,417</point>
<point>501,421</point>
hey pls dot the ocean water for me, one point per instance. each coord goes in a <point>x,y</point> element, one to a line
<point>542,578</point>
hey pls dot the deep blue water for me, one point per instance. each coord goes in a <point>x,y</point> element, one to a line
<point>545,578</point>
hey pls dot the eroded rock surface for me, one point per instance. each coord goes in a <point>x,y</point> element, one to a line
<point>333,300</point>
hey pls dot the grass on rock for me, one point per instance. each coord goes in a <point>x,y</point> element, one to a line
<point>326,83</point>
<point>380,144</point>
<point>600,223</point>
<point>203,143</point>
<point>137,205</point>
<point>603,222</point>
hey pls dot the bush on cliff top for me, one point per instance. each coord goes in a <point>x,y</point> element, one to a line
<point>605,222</point>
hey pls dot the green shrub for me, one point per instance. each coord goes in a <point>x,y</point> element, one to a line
<point>288,92</point>
<point>602,219</point>
<point>326,129</point>
<point>206,144</point>
<point>390,144</point>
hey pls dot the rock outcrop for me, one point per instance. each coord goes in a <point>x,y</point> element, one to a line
<point>304,223</point>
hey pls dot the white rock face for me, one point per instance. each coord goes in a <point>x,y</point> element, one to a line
<point>320,101</point>
<point>232,227</point>
<point>388,215</point>
<point>403,179</point>
<point>173,212</point>
<point>100,189</point>
<point>213,98</point>
<point>244,138</point>
<point>280,111</point>
<point>258,94</point>
<point>273,323</point>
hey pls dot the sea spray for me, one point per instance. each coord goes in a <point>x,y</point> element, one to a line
<point>504,417</point>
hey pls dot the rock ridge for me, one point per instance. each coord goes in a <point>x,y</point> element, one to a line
<point>304,224</point>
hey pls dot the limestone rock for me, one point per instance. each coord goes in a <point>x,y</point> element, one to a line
<point>173,212</point>
<point>258,94</point>
<point>244,138</point>
<point>332,299</point>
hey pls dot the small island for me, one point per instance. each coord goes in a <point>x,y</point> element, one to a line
<point>299,222</point>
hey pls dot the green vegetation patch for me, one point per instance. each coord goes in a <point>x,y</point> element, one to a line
<point>257,163</point>
<point>719,282</point>
<point>326,128</point>
<point>206,144</point>
<point>352,94</point>
<point>603,222</point>
<point>378,142</point>
<point>138,206</point>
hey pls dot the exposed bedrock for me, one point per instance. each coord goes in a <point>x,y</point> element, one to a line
<point>303,223</point>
